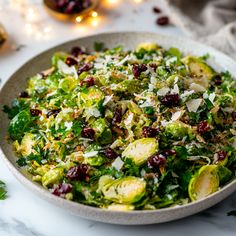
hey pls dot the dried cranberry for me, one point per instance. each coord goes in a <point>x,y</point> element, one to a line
<point>203,127</point>
<point>80,172</point>
<point>62,189</point>
<point>53,112</point>
<point>221,155</point>
<point>88,82</point>
<point>170,100</point>
<point>217,80</point>
<point>76,51</point>
<point>61,3</point>
<point>117,116</point>
<point>138,69</point>
<point>85,67</point>
<point>234,115</point>
<point>156,10</point>
<point>156,161</point>
<point>88,133</point>
<point>70,8</point>
<point>150,132</point>
<point>71,61</point>
<point>24,94</point>
<point>164,20</point>
<point>110,153</point>
<point>170,152</point>
<point>86,3</point>
<point>153,66</point>
<point>35,112</point>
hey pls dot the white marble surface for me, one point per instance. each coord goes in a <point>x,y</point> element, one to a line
<point>23,213</point>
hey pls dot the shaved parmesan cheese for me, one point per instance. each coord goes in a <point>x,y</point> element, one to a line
<point>177,115</point>
<point>68,70</point>
<point>123,61</point>
<point>68,125</point>
<point>175,89</point>
<point>193,104</point>
<point>186,93</point>
<point>118,163</point>
<point>197,87</point>
<point>164,123</point>
<point>163,91</point>
<point>212,97</point>
<point>129,119</point>
<point>107,100</point>
<point>150,87</point>
<point>90,154</point>
<point>92,111</point>
<point>171,60</point>
<point>67,110</point>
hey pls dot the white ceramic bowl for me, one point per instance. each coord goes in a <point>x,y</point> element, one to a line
<point>17,83</point>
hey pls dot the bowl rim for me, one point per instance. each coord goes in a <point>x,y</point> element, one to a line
<point>66,204</point>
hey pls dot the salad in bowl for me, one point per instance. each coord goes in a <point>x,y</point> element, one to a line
<point>127,130</point>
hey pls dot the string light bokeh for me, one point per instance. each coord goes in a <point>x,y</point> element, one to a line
<point>35,25</point>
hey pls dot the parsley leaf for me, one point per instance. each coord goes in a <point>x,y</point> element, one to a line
<point>3,191</point>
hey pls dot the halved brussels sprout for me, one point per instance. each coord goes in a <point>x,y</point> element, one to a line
<point>93,157</point>
<point>27,144</point>
<point>147,46</point>
<point>37,85</point>
<point>96,160</point>
<point>103,132</point>
<point>68,84</point>
<point>198,67</point>
<point>125,190</point>
<point>92,96</point>
<point>201,73</point>
<point>224,174</point>
<point>178,130</point>
<point>53,176</point>
<point>120,207</point>
<point>140,150</point>
<point>204,183</point>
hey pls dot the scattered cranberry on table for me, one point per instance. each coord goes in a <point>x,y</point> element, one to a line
<point>163,20</point>
<point>156,10</point>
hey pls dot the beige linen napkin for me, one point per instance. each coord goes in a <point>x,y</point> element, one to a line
<point>210,21</point>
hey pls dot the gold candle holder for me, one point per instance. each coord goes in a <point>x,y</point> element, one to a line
<point>3,35</point>
<point>53,11</point>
